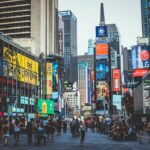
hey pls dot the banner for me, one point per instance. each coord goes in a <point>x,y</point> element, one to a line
<point>49,78</point>
<point>102,70</point>
<point>102,90</point>
<point>20,67</point>
<point>45,106</point>
<point>101,51</point>
<point>116,80</point>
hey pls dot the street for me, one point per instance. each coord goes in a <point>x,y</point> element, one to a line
<point>93,141</point>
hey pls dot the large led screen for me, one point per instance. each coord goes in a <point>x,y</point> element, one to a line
<point>45,106</point>
<point>102,70</point>
<point>140,56</point>
<point>102,91</point>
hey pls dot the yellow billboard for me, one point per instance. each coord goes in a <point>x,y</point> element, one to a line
<point>49,78</point>
<point>24,68</point>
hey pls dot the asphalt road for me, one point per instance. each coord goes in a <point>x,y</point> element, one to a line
<point>93,141</point>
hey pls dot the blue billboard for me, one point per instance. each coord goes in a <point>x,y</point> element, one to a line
<point>89,87</point>
<point>102,70</point>
<point>140,56</point>
<point>55,80</point>
<point>101,31</point>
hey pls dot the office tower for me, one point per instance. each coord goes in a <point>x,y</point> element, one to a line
<point>83,82</point>
<point>145,10</point>
<point>32,24</point>
<point>70,40</point>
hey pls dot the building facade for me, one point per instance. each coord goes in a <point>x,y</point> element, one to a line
<point>31,23</point>
<point>19,80</point>
<point>145,11</point>
<point>70,40</point>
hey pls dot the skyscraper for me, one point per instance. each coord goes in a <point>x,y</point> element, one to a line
<point>145,10</point>
<point>31,23</point>
<point>70,40</point>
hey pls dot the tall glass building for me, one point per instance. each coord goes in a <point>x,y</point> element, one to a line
<point>145,13</point>
<point>70,40</point>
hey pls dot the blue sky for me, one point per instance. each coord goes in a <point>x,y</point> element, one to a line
<point>126,14</point>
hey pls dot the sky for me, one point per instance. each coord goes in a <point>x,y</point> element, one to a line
<point>126,14</point>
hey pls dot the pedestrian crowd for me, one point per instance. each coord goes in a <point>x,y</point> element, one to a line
<point>35,129</point>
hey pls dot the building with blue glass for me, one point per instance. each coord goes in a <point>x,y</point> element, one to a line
<point>145,15</point>
<point>70,40</point>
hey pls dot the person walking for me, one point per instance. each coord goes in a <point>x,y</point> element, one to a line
<point>148,131</point>
<point>29,132</point>
<point>82,133</point>
<point>16,131</point>
<point>5,131</point>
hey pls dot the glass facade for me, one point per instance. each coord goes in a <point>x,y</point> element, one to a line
<point>70,40</point>
<point>145,13</point>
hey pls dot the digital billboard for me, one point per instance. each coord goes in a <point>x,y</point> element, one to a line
<point>116,80</point>
<point>45,106</point>
<point>101,51</point>
<point>139,72</point>
<point>49,78</point>
<point>101,31</point>
<point>102,70</point>
<point>89,88</point>
<point>117,101</point>
<point>92,86</point>
<point>20,67</point>
<point>55,78</point>
<point>140,56</point>
<point>102,90</point>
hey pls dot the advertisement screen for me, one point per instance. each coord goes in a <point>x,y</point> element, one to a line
<point>45,106</point>
<point>102,70</point>
<point>117,101</point>
<point>102,90</point>
<point>139,72</point>
<point>89,88</point>
<point>92,86</point>
<point>55,76</point>
<point>101,51</point>
<point>101,31</point>
<point>116,80</point>
<point>20,67</point>
<point>140,56</point>
<point>49,78</point>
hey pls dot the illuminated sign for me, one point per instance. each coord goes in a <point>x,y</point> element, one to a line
<point>101,51</point>
<point>116,80</point>
<point>20,67</point>
<point>102,70</point>
<point>49,78</point>
<point>139,72</point>
<point>102,90</point>
<point>101,31</point>
<point>45,106</point>
<point>140,56</point>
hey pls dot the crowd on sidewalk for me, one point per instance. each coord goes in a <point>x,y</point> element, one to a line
<point>38,130</point>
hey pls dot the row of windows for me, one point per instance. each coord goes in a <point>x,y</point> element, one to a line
<point>15,3</point>
<point>16,30</point>
<point>13,14</point>
<point>27,35</point>
<point>15,25</point>
<point>14,9</point>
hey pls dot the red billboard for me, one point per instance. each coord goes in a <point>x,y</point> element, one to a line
<point>116,80</point>
<point>139,72</point>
